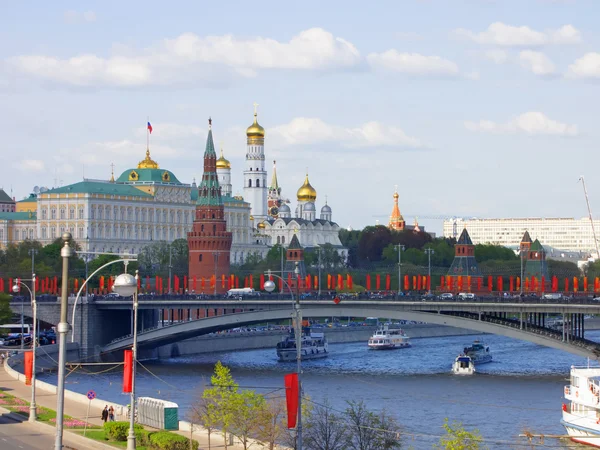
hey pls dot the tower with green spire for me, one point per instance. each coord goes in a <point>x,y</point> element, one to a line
<point>209,241</point>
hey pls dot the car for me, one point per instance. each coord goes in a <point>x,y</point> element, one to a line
<point>446,296</point>
<point>466,296</point>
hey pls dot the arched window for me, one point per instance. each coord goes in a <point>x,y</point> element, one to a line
<point>214,229</point>
<point>278,240</point>
<point>283,239</point>
<point>249,183</point>
<point>257,182</point>
<point>202,228</point>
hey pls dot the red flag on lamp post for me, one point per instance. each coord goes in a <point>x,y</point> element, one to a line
<point>291,397</point>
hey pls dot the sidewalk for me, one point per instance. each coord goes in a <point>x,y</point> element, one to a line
<point>78,411</point>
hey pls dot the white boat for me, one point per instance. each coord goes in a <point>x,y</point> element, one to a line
<point>478,352</point>
<point>581,415</point>
<point>463,365</point>
<point>389,338</point>
<point>313,346</point>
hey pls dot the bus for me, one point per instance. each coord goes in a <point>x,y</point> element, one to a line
<point>14,328</point>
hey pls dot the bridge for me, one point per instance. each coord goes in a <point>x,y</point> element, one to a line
<point>525,321</point>
<point>104,326</point>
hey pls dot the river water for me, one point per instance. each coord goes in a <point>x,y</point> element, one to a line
<point>521,390</point>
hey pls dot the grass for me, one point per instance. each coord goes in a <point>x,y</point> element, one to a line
<point>21,407</point>
<point>98,435</point>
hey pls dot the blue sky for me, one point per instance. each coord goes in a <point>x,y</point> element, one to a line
<point>472,107</point>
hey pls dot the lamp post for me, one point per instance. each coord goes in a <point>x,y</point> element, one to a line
<point>400,250</point>
<point>126,285</point>
<point>319,272</point>
<point>216,257</point>
<point>429,252</point>
<point>62,328</point>
<point>270,287</point>
<point>521,283</point>
<point>170,265</point>
<point>15,288</point>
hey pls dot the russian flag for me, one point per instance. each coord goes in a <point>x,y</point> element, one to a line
<point>149,128</point>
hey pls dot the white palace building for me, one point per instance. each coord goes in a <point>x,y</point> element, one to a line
<point>566,234</point>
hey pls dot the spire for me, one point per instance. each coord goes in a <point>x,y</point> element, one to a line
<point>210,145</point>
<point>209,191</point>
<point>112,173</point>
<point>274,184</point>
<point>396,220</point>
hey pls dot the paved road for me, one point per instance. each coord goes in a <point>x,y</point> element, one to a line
<point>23,436</point>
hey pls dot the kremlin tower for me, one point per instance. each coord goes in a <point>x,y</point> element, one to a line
<point>209,241</point>
<point>396,220</point>
<point>255,175</point>
<point>274,200</point>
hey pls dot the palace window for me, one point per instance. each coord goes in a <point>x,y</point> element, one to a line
<point>44,233</point>
<point>200,257</point>
<point>72,213</point>
<point>81,213</point>
<point>53,213</point>
<point>249,183</point>
<point>44,213</point>
<point>52,232</point>
<point>257,182</point>
<point>63,213</point>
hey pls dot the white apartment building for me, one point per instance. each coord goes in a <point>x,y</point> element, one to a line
<point>568,234</point>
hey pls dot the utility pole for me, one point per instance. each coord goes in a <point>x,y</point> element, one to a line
<point>400,249</point>
<point>429,252</point>
<point>281,252</point>
<point>32,252</point>
<point>171,266</point>
<point>319,272</point>
<point>216,257</point>
<point>521,255</point>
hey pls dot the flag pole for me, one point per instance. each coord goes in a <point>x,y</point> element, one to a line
<point>147,133</point>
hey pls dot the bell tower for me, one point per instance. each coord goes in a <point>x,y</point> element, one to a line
<point>255,175</point>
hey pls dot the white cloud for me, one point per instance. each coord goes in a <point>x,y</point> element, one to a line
<point>192,58</point>
<point>536,62</point>
<point>307,131</point>
<point>496,56</point>
<point>532,123</point>
<point>79,17</point>
<point>501,34</point>
<point>588,66</point>
<point>30,165</point>
<point>412,63</point>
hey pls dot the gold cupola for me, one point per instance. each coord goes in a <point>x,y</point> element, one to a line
<point>223,163</point>
<point>306,193</point>
<point>147,162</point>
<point>255,133</point>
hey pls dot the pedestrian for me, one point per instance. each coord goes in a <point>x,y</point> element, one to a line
<point>105,414</point>
<point>111,414</point>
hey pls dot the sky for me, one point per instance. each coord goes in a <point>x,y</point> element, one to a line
<point>472,108</point>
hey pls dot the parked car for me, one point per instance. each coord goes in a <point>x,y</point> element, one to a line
<point>446,296</point>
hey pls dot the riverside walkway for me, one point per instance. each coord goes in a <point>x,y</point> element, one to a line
<point>78,410</point>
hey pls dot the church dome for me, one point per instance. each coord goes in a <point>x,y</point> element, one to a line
<point>261,226</point>
<point>309,206</point>
<point>326,209</point>
<point>255,130</point>
<point>147,162</point>
<point>306,193</point>
<point>223,163</point>
<point>284,209</point>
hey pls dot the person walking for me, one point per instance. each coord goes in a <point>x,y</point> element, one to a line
<point>105,414</point>
<point>111,414</point>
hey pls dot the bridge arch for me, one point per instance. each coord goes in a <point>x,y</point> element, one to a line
<point>186,330</point>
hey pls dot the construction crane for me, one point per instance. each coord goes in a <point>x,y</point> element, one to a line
<point>454,219</point>
<point>587,201</point>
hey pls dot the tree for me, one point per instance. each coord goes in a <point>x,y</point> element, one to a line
<point>457,438</point>
<point>372,242</point>
<point>271,422</point>
<point>247,406</point>
<point>223,394</point>
<point>368,431</point>
<point>204,411</point>
<point>5,311</point>
<point>325,430</point>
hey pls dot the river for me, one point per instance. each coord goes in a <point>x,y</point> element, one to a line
<point>522,389</point>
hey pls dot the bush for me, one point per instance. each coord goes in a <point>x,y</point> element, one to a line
<point>164,440</point>
<point>142,437</point>
<point>118,431</point>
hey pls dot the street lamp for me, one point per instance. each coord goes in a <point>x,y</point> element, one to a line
<point>126,285</point>
<point>15,288</point>
<point>62,328</point>
<point>216,257</point>
<point>400,249</point>
<point>270,287</point>
<point>429,252</point>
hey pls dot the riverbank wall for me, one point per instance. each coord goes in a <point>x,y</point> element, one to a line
<point>228,342</point>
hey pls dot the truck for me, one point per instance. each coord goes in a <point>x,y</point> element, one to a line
<point>241,293</point>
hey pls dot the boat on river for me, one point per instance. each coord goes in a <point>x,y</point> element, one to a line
<point>478,352</point>
<point>386,338</point>
<point>313,346</point>
<point>463,365</point>
<point>581,412</point>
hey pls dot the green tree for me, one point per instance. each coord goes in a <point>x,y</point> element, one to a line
<point>485,252</point>
<point>205,411</point>
<point>457,438</point>
<point>223,394</point>
<point>372,242</point>
<point>325,430</point>
<point>5,311</point>
<point>369,431</point>
<point>272,422</point>
<point>248,407</point>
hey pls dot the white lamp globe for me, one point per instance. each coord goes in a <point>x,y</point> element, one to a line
<point>15,288</point>
<point>125,285</point>
<point>269,286</point>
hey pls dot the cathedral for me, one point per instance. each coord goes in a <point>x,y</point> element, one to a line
<point>271,216</point>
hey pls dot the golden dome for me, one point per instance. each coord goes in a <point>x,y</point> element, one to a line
<point>252,218</point>
<point>223,163</point>
<point>261,226</point>
<point>147,162</point>
<point>396,195</point>
<point>306,193</point>
<point>255,130</point>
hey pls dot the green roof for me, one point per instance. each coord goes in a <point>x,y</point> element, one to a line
<point>99,187</point>
<point>17,216</point>
<point>229,199</point>
<point>148,175</point>
<point>31,198</point>
<point>4,197</point>
<point>537,246</point>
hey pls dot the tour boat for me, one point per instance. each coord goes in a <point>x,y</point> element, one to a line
<point>463,365</point>
<point>313,346</point>
<point>478,352</point>
<point>388,338</point>
<point>581,416</point>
